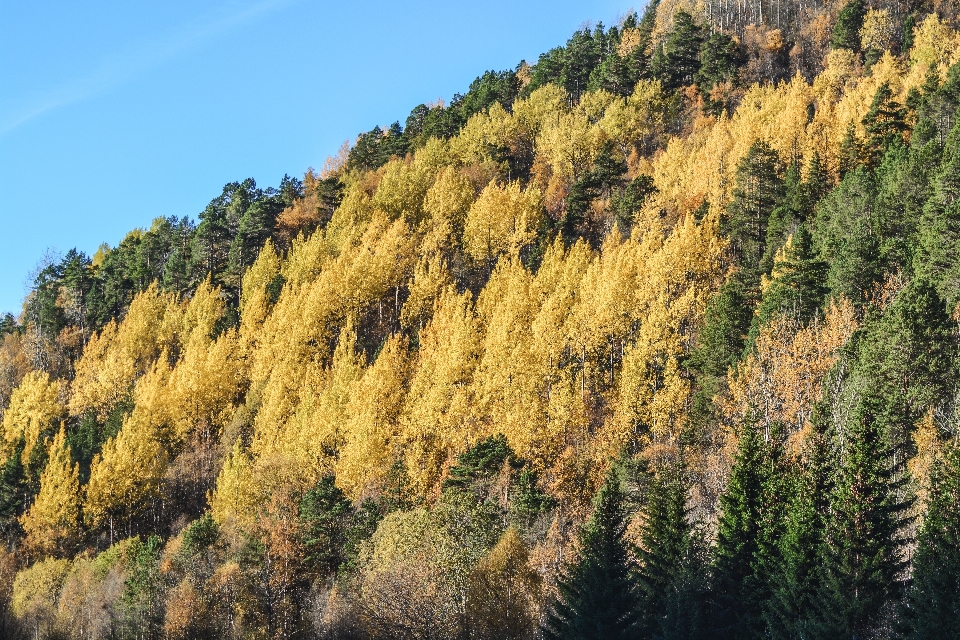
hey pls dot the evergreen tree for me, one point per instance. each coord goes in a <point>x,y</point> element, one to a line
<point>817,183</point>
<point>15,494</point>
<point>726,323</point>
<point>325,514</point>
<point>903,180</point>
<point>797,284</point>
<point>784,219</point>
<point>140,605</point>
<point>581,56</point>
<point>932,611</point>
<point>908,356</point>
<point>670,564</point>
<point>939,243</point>
<point>605,176</point>
<point>862,559</point>
<point>678,60</point>
<point>629,201</point>
<point>885,123</point>
<point>851,151</point>
<point>758,190</point>
<point>737,590</point>
<point>844,232</point>
<point>794,579</point>
<point>720,59</point>
<point>598,597</point>
<point>846,32</point>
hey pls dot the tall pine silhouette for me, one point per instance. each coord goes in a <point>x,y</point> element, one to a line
<point>597,593</point>
<point>671,562</point>
<point>933,604</point>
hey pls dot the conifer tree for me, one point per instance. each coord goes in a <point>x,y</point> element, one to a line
<point>862,555</point>
<point>851,151</point>
<point>940,225</point>
<point>324,516</point>
<point>797,285</point>
<point>598,596</point>
<point>846,32</point>
<point>678,61</point>
<point>844,232</point>
<point>789,213</point>
<point>933,603</point>
<point>885,123</point>
<point>671,566</point>
<point>908,356</point>
<point>737,590</point>
<point>759,189</point>
<point>817,183</point>
<point>720,58</point>
<point>795,579</point>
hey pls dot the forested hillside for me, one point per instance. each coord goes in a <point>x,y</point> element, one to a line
<point>654,338</point>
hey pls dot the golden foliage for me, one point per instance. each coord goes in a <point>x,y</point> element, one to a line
<point>782,380</point>
<point>35,408</point>
<point>502,221</point>
<point>52,522</point>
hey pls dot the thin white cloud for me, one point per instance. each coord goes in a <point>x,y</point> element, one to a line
<point>124,66</point>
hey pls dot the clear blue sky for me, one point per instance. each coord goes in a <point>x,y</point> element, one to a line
<point>113,113</point>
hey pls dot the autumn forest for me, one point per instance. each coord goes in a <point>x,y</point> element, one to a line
<point>656,337</point>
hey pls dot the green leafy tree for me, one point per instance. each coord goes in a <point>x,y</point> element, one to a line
<point>598,596</point>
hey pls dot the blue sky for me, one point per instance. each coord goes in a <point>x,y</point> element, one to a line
<point>113,113</point>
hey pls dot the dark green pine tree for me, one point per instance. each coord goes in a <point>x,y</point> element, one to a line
<point>885,124</point>
<point>15,494</point>
<point>759,189</point>
<point>671,566</point>
<point>844,231</point>
<point>908,356</point>
<point>598,597</point>
<point>719,346</point>
<point>817,183</point>
<point>325,514</point>
<point>938,253</point>
<point>932,611</point>
<point>795,578</point>
<point>720,59</point>
<point>785,218</point>
<point>846,32</point>
<point>604,177</point>
<point>678,61</point>
<point>851,151</point>
<point>862,555</point>
<point>737,591</point>
<point>797,287</point>
<point>581,56</point>
<point>904,179</point>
